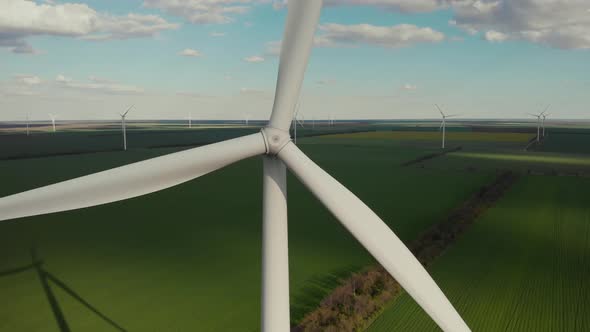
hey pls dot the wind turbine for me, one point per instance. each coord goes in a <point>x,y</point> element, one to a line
<point>124,126</point>
<point>27,125</point>
<point>52,116</point>
<point>443,124</point>
<point>538,116</point>
<point>331,119</point>
<point>274,143</point>
<point>190,120</point>
<point>545,115</point>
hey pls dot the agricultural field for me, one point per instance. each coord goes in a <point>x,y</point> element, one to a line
<point>455,137</point>
<point>188,258</point>
<point>566,141</point>
<point>15,146</point>
<point>523,266</point>
<point>524,162</point>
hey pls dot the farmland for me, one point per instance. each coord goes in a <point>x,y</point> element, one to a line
<point>524,266</point>
<point>189,257</point>
<point>456,137</point>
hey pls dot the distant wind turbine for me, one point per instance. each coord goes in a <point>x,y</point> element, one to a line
<point>247,119</point>
<point>443,125</point>
<point>545,115</point>
<point>295,121</point>
<point>539,116</point>
<point>190,120</point>
<point>27,125</point>
<point>124,126</point>
<point>52,116</point>
<point>331,119</point>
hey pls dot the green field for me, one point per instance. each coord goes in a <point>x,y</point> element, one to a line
<point>188,258</point>
<point>572,141</point>
<point>526,162</point>
<point>523,266</point>
<point>458,137</point>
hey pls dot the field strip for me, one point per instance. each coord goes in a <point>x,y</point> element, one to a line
<point>361,298</point>
<point>430,156</point>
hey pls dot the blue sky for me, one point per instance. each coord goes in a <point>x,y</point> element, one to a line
<point>398,65</point>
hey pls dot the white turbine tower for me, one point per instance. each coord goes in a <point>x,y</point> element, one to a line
<point>538,116</point>
<point>279,152</point>
<point>443,124</point>
<point>190,120</point>
<point>545,115</point>
<point>52,116</point>
<point>124,126</point>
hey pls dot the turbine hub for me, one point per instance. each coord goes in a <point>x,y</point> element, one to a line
<point>275,140</point>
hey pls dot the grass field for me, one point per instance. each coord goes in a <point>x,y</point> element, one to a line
<point>436,136</point>
<point>524,266</point>
<point>188,258</point>
<point>432,139</point>
<point>536,162</point>
<point>577,142</point>
<point>73,142</point>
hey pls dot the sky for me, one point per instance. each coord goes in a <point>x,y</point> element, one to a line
<point>218,59</point>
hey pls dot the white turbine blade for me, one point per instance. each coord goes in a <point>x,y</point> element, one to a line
<point>535,115</point>
<point>441,126</point>
<point>453,116</point>
<point>132,180</point>
<point>302,20</point>
<point>300,123</point>
<point>127,111</point>
<point>376,237</point>
<point>441,112</point>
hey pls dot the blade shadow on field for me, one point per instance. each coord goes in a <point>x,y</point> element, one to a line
<point>17,270</point>
<point>55,308</point>
<point>46,278</point>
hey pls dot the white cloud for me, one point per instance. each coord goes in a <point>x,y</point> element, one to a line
<point>495,36</point>
<point>95,84</point>
<point>27,79</point>
<point>254,59</point>
<point>189,52</point>
<point>217,34</point>
<point>397,36</point>
<point>20,19</point>
<point>409,87</point>
<point>557,23</point>
<point>561,24</point>
<point>62,79</point>
<point>404,6</point>
<point>203,11</point>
